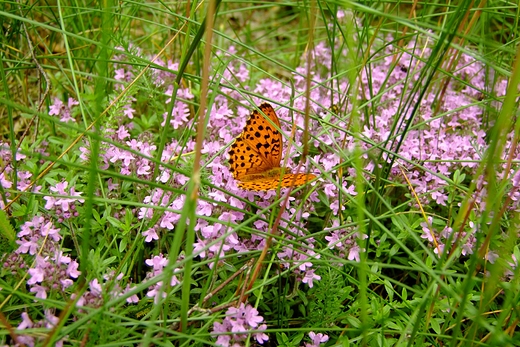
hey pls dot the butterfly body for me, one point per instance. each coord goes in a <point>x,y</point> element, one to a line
<point>255,156</point>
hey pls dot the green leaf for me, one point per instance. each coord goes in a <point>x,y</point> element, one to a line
<point>6,229</point>
<point>114,222</point>
<point>435,326</point>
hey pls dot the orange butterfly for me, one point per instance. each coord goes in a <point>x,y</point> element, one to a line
<point>255,156</point>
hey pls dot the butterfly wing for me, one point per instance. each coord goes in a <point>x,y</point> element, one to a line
<point>288,180</point>
<point>259,147</point>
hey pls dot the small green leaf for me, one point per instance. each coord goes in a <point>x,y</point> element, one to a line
<point>6,229</point>
<point>114,222</point>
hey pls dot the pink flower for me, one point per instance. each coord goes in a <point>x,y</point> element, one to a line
<point>150,235</point>
<point>316,339</point>
<point>309,277</point>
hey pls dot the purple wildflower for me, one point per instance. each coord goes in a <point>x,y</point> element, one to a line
<point>316,339</point>
<point>466,239</point>
<point>49,322</point>
<point>345,240</point>
<point>62,110</point>
<point>95,295</point>
<point>240,322</point>
<point>158,263</point>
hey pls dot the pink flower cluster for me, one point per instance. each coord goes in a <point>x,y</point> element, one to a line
<point>48,322</point>
<point>132,156</point>
<point>62,110</point>
<point>158,263</point>
<point>64,205</point>
<point>8,175</point>
<point>96,294</point>
<point>239,323</point>
<point>218,238</point>
<point>52,270</point>
<point>344,239</point>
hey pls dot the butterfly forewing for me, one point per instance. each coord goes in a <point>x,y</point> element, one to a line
<point>259,147</point>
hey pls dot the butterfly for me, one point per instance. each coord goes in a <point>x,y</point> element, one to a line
<point>254,157</point>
